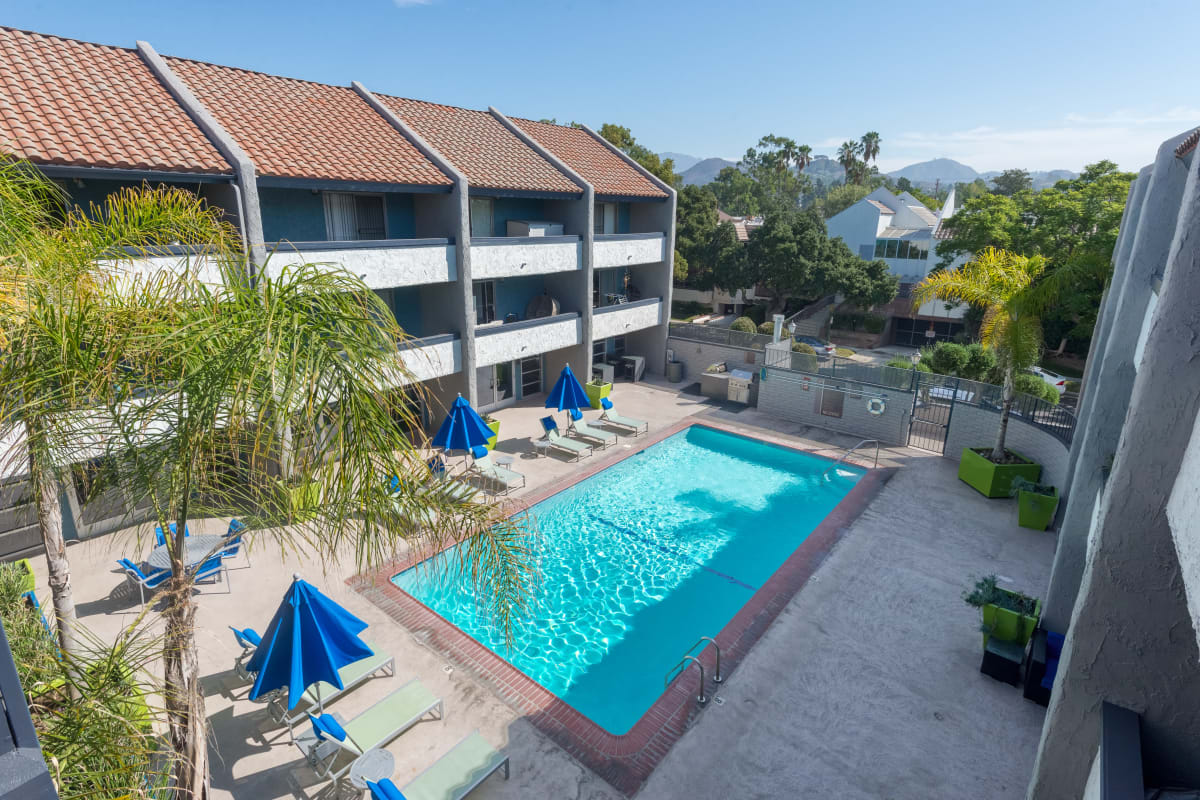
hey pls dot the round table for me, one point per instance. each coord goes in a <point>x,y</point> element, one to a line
<point>195,548</point>
<point>541,447</point>
<point>503,460</point>
<point>373,765</point>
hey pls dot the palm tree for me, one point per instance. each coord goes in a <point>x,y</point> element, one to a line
<point>848,157</point>
<point>803,157</point>
<point>1014,294</point>
<point>870,145</point>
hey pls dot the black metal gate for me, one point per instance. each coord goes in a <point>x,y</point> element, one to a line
<point>933,405</point>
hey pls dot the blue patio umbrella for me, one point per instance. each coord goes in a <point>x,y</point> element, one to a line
<point>462,429</point>
<point>309,640</point>
<point>567,393</point>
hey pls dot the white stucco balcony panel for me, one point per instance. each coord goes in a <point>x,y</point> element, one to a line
<point>498,343</point>
<point>508,257</point>
<point>627,249</point>
<point>383,264</point>
<point>433,357</point>
<point>626,318</point>
<point>172,260</point>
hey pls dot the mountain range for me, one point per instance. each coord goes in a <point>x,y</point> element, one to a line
<point>925,174</point>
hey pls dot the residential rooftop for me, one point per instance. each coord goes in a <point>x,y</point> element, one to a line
<point>607,172</point>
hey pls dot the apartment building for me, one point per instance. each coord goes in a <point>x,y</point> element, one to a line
<point>1124,714</point>
<point>505,248</point>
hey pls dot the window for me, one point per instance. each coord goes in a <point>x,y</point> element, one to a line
<point>482,216</point>
<point>484,295</point>
<point>531,376</point>
<point>880,247</point>
<point>354,217</point>
<point>605,220</point>
<point>892,244</point>
<point>903,253</point>
<point>618,348</point>
<point>599,350</point>
<point>832,401</point>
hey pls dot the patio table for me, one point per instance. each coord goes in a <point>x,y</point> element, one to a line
<point>195,548</point>
<point>373,765</point>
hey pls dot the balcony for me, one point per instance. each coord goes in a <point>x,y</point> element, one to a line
<point>497,342</point>
<point>626,249</point>
<point>382,263</point>
<point>511,256</point>
<point>165,258</point>
<point>430,357</point>
<point>618,320</point>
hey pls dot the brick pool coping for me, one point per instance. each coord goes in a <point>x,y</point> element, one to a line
<point>624,761</point>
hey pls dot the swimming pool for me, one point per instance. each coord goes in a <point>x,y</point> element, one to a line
<point>641,559</point>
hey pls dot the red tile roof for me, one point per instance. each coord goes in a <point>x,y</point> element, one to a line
<point>489,154</point>
<point>297,129</point>
<point>608,173</point>
<point>1188,144</point>
<point>72,103</point>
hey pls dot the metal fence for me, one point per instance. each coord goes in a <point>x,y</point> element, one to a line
<point>943,390</point>
<point>725,336</point>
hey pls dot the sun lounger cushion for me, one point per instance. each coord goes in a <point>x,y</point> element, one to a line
<point>457,772</point>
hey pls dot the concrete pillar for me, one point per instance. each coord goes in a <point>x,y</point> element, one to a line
<point>1113,372</point>
<point>250,214</point>
<point>1130,640</point>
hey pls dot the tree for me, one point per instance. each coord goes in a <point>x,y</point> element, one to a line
<point>1011,181</point>
<point>736,193</point>
<point>803,157</point>
<point>967,191</point>
<point>929,201</point>
<point>620,136</point>
<point>1012,290</point>
<point>847,156</point>
<point>838,198</point>
<point>695,224</point>
<point>773,166</point>
<point>870,146</point>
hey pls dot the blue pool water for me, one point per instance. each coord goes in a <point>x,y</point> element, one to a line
<point>640,560</point>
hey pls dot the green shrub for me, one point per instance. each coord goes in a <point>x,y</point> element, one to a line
<point>980,362</point>
<point>768,328</point>
<point>757,314</point>
<point>899,363</point>
<point>743,324</point>
<point>873,323</point>
<point>846,321</point>
<point>801,347</point>
<point>946,358</point>
<point>1032,384</point>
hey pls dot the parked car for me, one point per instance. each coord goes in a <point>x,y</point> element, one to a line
<point>824,349</point>
<point>1059,382</point>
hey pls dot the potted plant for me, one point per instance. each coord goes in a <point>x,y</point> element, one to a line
<point>25,568</point>
<point>494,425</point>
<point>979,470</point>
<point>597,391</point>
<point>1036,503</point>
<point>1007,615</point>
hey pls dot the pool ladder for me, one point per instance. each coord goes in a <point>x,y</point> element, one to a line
<point>850,450</point>
<point>690,658</point>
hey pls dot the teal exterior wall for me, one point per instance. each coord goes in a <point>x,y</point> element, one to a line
<point>513,294</point>
<point>95,191</point>
<point>294,215</point>
<point>405,303</point>
<point>401,217</point>
<point>506,208</point>
<point>623,217</point>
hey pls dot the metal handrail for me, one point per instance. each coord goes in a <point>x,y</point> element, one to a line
<point>850,450</point>
<point>717,676</point>
<point>701,698</point>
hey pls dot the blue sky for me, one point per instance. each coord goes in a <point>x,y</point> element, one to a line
<point>1039,85</point>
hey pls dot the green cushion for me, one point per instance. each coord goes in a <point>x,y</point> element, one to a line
<point>459,770</point>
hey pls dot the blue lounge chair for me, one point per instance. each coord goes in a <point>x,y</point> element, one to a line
<point>213,568</point>
<point>556,439</point>
<point>143,581</point>
<point>249,640</point>
<point>610,417</point>
<point>233,541</point>
<point>160,539</point>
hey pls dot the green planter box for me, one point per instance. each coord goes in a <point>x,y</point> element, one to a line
<point>991,479</point>
<point>597,392</point>
<point>494,427</point>
<point>1009,626</point>
<point>28,584</point>
<point>1034,510</point>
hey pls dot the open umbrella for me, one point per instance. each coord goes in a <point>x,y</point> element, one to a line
<point>309,640</point>
<point>462,429</point>
<point>567,393</point>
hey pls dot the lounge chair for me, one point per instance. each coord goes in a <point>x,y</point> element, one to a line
<point>316,696</point>
<point>233,541</point>
<point>333,743</point>
<point>443,479</point>
<point>577,427</point>
<point>452,777</point>
<point>610,417</point>
<point>556,439</point>
<point>213,568</point>
<point>249,640</point>
<point>499,477</point>
<point>144,581</point>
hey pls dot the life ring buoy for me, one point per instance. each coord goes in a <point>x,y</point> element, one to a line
<point>876,406</point>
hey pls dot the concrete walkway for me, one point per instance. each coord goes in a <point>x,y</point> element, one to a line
<point>866,686</point>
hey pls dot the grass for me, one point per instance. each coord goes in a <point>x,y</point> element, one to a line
<point>688,310</point>
<point>844,352</point>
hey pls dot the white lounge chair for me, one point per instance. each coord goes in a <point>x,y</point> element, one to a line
<point>581,430</point>
<point>452,777</point>
<point>556,439</point>
<point>319,694</point>
<point>502,479</point>
<point>610,417</point>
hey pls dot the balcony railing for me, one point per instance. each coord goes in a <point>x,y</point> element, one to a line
<point>496,343</point>
<point>627,249</point>
<point>623,318</point>
<point>431,356</point>
<point>382,263</point>
<point>511,256</point>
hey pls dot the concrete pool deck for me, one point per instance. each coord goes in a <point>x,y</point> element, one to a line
<point>866,685</point>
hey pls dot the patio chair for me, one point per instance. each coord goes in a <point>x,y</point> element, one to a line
<point>610,417</point>
<point>316,696</point>
<point>333,744</point>
<point>160,539</point>
<point>452,777</point>
<point>502,477</point>
<point>233,541</point>
<point>556,439</point>
<point>249,640</point>
<point>213,568</point>
<point>144,581</point>
<point>581,430</point>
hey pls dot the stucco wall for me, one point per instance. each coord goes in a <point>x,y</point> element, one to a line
<point>294,215</point>
<point>382,267</point>
<point>790,396</point>
<point>494,344</point>
<point>1183,512</point>
<point>524,257</point>
<point>433,361</point>
<point>624,319</point>
<point>976,427</point>
<point>625,252</point>
<point>698,355</point>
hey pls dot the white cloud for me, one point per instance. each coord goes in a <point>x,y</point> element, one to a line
<point>1130,138</point>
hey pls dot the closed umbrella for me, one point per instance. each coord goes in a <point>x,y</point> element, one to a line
<point>462,429</point>
<point>567,392</point>
<point>308,641</point>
